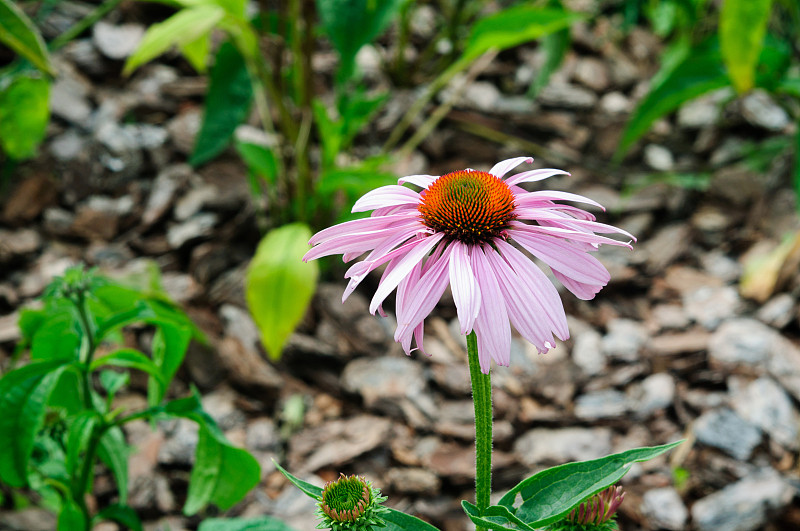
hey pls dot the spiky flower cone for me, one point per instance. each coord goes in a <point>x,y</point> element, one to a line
<point>350,503</point>
<point>595,514</point>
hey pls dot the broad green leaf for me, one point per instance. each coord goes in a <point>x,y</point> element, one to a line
<point>514,26</point>
<point>742,26</point>
<point>549,495</point>
<point>790,86</point>
<point>70,518</point>
<point>701,71</point>
<point>183,27</point>
<point>264,523</point>
<point>24,113</point>
<point>23,399</point>
<point>130,359</point>
<point>350,24</point>
<point>114,451</point>
<point>80,431</point>
<point>121,514</point>
<point>395,520</point>
<point>222,474</point>
<point>495,518</point>
<point>170,343</point>
<point>196,52</point>
<point>18,33</point>
<point>64,395</point>
<point>357,109</point>
<point>279,285</point>
<point>227,104</point>
<point>58,337</point>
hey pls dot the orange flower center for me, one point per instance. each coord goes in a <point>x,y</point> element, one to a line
<point>469,206</point>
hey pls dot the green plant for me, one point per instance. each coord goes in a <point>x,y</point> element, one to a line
<point>747,44</point>
<point>59,415</point>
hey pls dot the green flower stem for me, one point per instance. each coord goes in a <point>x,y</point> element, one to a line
<point>482,397</point>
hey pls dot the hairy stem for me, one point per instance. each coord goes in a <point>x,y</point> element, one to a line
<point>482,398</point>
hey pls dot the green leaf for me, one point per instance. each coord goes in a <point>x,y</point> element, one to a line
<point>23,399</point>
<point>70,518</point>
<point>514,26</point>
<point>548,496</point>
<point>227,104</point>
<point>555,47</point>
<point>264,523</point>
<point>350,24</point>
<point>130,359</point>
<point>18,33</point>
<point>170,343</point>
<point>262,164</point>
<point>184,27</point>
<point>58,337</point>
<point>196,52</point>
<point>399,521</point>
<point>24,113</point>
<point>113,381</point>
<point>279,285</point>
<point>701,71</point>
<point>222,474</point>
<point>80,431</point>
<point>114,451</point>
<point>493,518</point>
<point>121,514</point>
<point>310,490</point>
<point>742,26</point>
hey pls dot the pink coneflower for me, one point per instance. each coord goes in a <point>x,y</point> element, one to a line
<point>457,231</point>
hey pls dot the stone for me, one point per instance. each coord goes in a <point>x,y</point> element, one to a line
<point>699,113</point>
<point>196,227</point>
<point>293,507</point>
<point>767,405</point>
<point>262,435</point>
<point>221,406</point>
<point>654,393</point>
<point>17,244</point>
<point>658,157</point>
<point>9,330</point>
<point>68,145</point>
<point>587,352</point>
<point>180,287</point>
<point>117,42</point>
<point>28,519</point>
<point>759,110</point>
<point>592,73</point>
<point>180,443</point>
<point>29,198</point>
<point>69,99</point>
<point>608,403</point>
<point>424,20</point>
<point>664,509</point>
<point>184,128</point>
<point>742,341</point>
<point>336,443</point>
<point>724,429</point>
<point>679,343</point>
<point>193,202</point>
<point>122,152</point>
<point>541,445</point>
<point>567,96</point>
<point>624,339</point>
<point>162,194</point>
<point>709,306</point>
<point>778,311</point>
<point>745,505</point>
<point>615,103</point>
<point>670,317</point>
<point>721,266</point>
<point>418,481</point>
<point>666,246</point>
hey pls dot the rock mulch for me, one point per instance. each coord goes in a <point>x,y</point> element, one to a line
<point>670,349</point>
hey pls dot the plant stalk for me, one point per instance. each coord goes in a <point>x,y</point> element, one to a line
<point>482,398</point>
